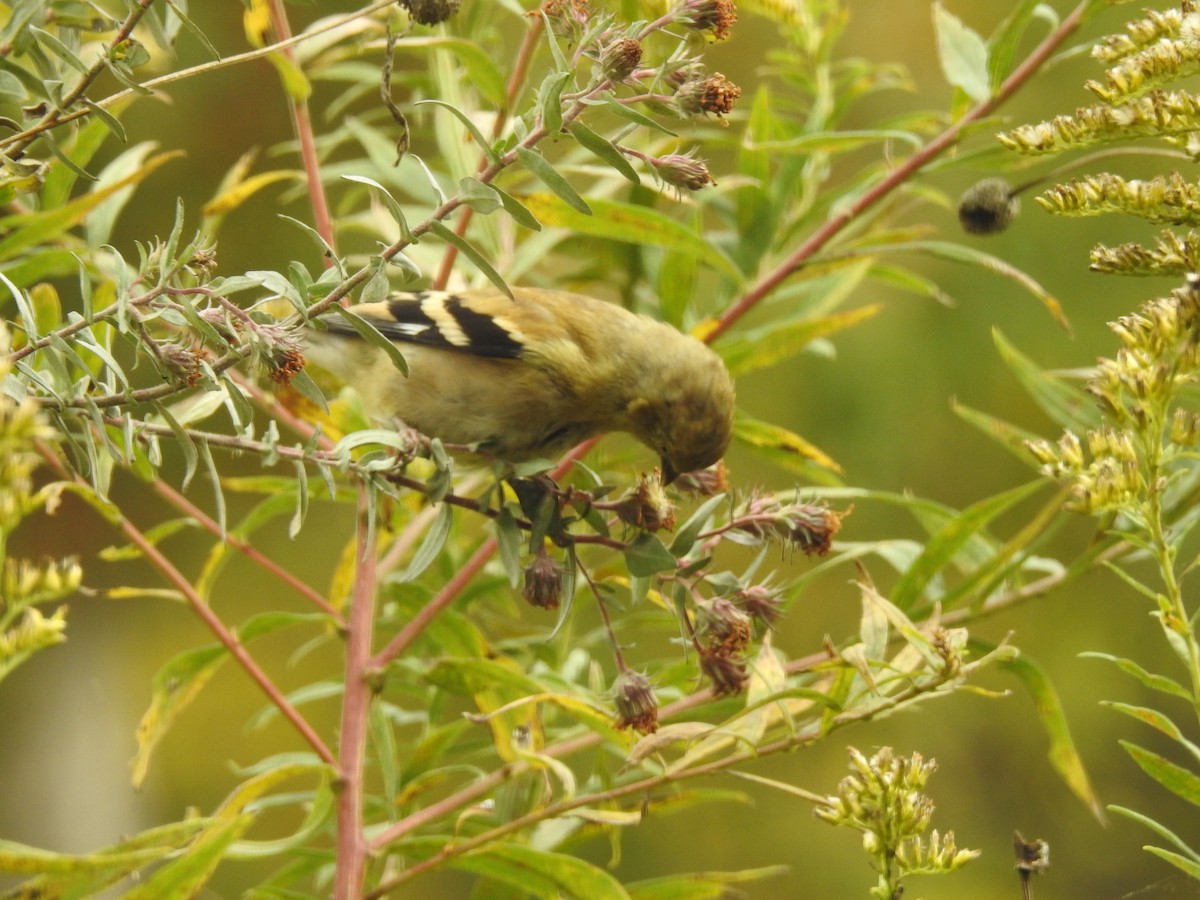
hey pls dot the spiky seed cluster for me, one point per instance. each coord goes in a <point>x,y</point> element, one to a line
<point>723,635</point>
<point>809,526</point>
<point>883,799</point>
<point>988,207</point>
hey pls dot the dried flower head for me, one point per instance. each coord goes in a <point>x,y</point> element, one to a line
<point>723,628</point>
<point>717,16</point>
<point>637,707</point>
<point>544,581</point>
<point>706,482</point>
<point>682,170</point>
<point>809,526</point>
<point>761,602</point>
<point>988,207</point>
<point>715,94</point>
<point>431,12</point>
<point>620,58</point>
<point>727,675</point>
<point>647,506</point>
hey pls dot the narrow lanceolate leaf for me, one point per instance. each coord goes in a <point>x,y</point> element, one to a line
<point>775,342</point>
<point>646,555</point>
<point>435,539</point>
<point>371,335</point>
<point>784,447</point>
<point>542,873</point>
<point>962,53</point>
<point>472,253</point>
<point>1063,754</point>
<point>1066,404</point>
<point>604,149</point>
<point>1155,682</point>
<point>942,549</point>
<point>483,143</point>
<point>174,686</point>
<point>629,223</point>
<point>1175,778</point>
<point>551,178</point>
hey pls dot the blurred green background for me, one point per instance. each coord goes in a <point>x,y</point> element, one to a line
<point>882,408</point>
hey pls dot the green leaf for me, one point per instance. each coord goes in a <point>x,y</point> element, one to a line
<point>1011,437</point>
<point>172,689</point>
<point>700,885</point>
<point>1069,406</point>
<point>646,555</point>
<point>541,873</point>
<point>1173,777</point>
<point>371,335</point>
<point>550,100</point>
<point>472,253</point>
<point>686,534</point>
<point>1180,862</point>
<point>1064,756</point>
<point>785,447</point>
<point>1160,683</point>
<point>25,230</point>
<point>942,549</point>
<point>392,204</point>
<point>604,149</point>
<point>431,546</point>
<point>1158,828</point>
<point>628,222</point>
<point>483,143</point>
<point>963,55</point>
<point>775,342</point>
<point>550,177</point>
<point>479,196</point>
<point>1003,45</point>
<point>1151,717</point>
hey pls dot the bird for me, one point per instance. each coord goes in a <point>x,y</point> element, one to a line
<point>531,375</point>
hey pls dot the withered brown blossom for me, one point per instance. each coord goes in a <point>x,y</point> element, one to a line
<point>647,506</point>
<point>637,707</point>
<point>682,170</point>
<point>715,94</point>
<point>544,582</point>
<point>717,16</point>
<point>620,58</point>
<point>727,675</point>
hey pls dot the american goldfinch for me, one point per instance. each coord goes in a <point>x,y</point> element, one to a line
<point>533,375</point>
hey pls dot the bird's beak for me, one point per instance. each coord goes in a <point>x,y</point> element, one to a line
<point>668,471</point>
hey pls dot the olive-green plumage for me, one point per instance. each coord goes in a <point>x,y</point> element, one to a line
<point>533,375</point>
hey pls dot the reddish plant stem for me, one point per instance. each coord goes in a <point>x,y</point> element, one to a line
<point>356,704</point>
<point>222,632</point>
<point>515,81</point>
<point>902,173</point>
<point>251,552</point>
<point>302,123</point>
<point>431,610</point>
